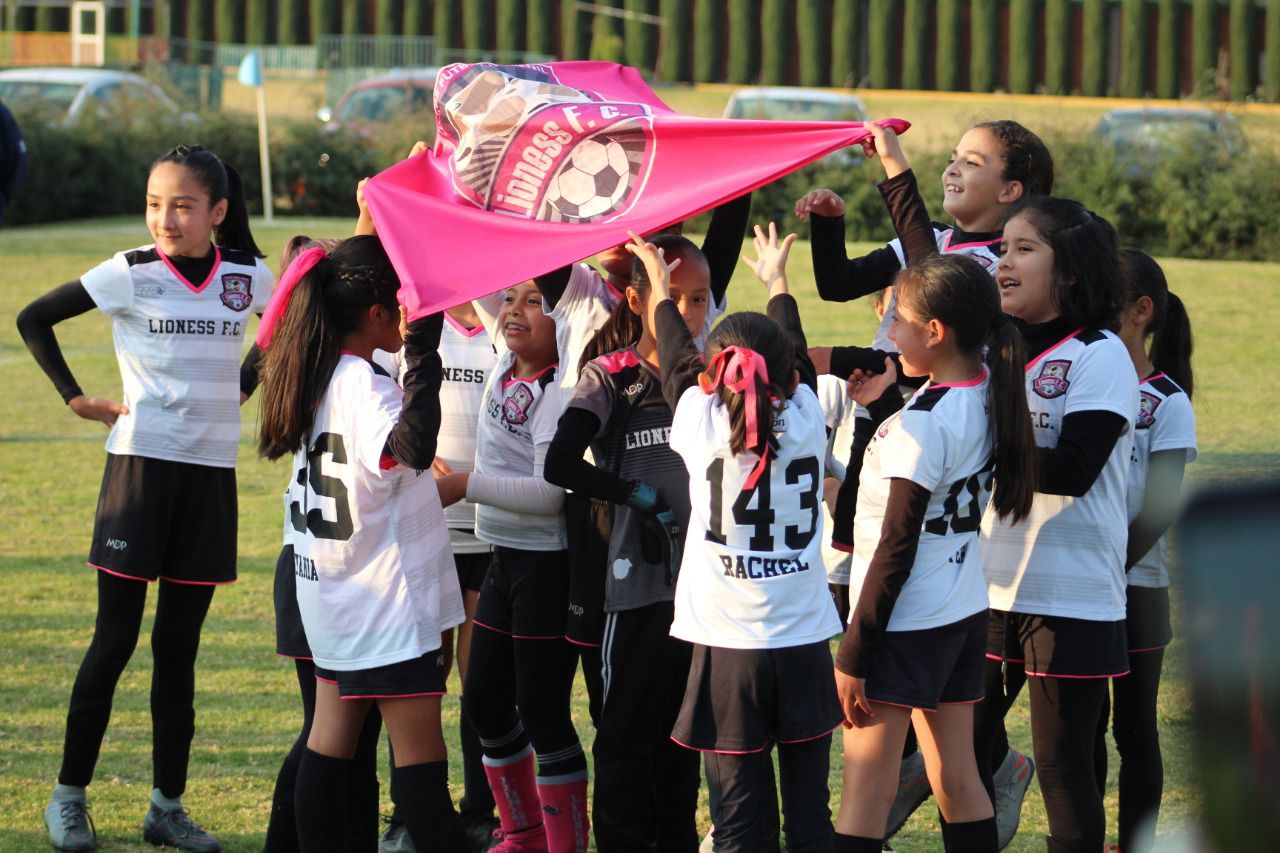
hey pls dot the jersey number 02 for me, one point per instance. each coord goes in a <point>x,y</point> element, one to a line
<point>312,519</point>
<point>761,518</point>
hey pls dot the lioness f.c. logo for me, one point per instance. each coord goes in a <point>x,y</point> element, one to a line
<point>1052,381</point>
<point>529,147</point>
<point>1147,405</point>
<point>237,291</point>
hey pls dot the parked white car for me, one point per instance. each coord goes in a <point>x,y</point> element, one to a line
<point>788,103</point>
<point>65,95</point>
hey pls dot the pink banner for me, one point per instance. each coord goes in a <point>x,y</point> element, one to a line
<point>538,166</point>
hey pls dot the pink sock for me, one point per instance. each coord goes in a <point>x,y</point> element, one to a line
<point>565,812</point>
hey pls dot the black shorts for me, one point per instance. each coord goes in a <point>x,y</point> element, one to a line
<point>1057,646</point>
<point>471,570</point>
<point>422,676</point>
<point>1148,624</point>
<point>524,594</point>
<point>746,700</point>
<point>161,520</point>
<point>930,667</point>
<point>587,524</point>
<point>291,639</point>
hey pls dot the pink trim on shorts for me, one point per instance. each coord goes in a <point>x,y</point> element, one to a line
<point>1055,675</point>
<point>393,695</point>
<point>217,262</point>
<point>197,583</point>
<point>1005,660</point>
<point>725,751</point>
<point>478,328</point>
<point>815,737</point>
<point>1148,649</point>
<point>520,636</point>
<point>574,642</point>
<point>328,681</point>
<point>293,657</point>
<point>119,574</point>
<point>961,702</point>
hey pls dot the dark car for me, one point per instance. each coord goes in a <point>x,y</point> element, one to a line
<point>378,101</point>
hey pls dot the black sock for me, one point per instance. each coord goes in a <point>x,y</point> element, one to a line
<point>974,836</point>
<point>477,800</point>
<point>421,794</point>
<point>856,844</point>
<point>282,826</point>
<point>317,802</point>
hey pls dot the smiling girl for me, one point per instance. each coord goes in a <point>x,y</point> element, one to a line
<point>167,509</point>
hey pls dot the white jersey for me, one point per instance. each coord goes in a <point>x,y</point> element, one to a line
<point>374,575</point>
<point>468,357</point>
<point>1067,557</point>
<point>985,252</point>
<point>179,346</point>
<point>751,576</point>
<point>941,441</point>
<point>515,416</point>
<point>838,409</point>
<point>1166,421</point>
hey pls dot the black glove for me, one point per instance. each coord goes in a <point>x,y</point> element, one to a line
<point>661,534</point>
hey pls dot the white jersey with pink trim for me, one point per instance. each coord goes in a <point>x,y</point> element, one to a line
<point>941,440</point>
<point>1166,421</point>
<point>1067,557</point>
<point>468,357</point>
<point>516,416</point>
<point>179,348</point>
<point>375,578</point>
<point>751,576</point>
<point>985,252</point>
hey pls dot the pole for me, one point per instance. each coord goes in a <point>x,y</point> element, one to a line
<point>263,155</point>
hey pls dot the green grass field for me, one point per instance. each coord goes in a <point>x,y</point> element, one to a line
<point>50,465</point>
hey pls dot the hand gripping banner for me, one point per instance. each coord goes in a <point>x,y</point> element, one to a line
<point>537,166</point>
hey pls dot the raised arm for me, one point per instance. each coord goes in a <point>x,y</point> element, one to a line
<point>725,233</point>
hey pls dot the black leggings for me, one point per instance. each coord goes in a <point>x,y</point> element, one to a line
<point>534,676</point>
<point>175,639</point>
<point>1133,713</point>
<point>1064,726</point>
<point>360,785</point>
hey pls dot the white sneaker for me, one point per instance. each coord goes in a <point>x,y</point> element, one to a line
<point>1011,780</point>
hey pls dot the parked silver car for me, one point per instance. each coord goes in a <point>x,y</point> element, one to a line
<point>65,95</point>
<point>788,103</point>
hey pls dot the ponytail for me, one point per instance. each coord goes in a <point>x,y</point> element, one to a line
<point>328,301</point>
<point>621,330</point>
<point>1016,465</point>
<point>220,180</point>
<point>1170,327</point>
<point>960,294</point>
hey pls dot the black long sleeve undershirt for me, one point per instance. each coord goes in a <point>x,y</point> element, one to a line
<point>887,573</point>
<point>565,466</point>
<point>412,441</point>
<point>723,244</point>
<point>35,325</point>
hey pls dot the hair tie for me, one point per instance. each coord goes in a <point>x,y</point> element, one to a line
<point>279,302</point>
<point>737,369</point>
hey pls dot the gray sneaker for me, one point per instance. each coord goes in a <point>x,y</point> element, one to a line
<point>1011,780</point>
<point>175,828</point>
<point>396,837</point>
<point>913,789</point>
<point>70,827</point>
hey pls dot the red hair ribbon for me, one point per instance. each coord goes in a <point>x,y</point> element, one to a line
<point>737,369</point>
<point>279,301</point>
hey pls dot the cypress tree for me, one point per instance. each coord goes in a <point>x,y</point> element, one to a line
<point>257,23</point>
<point>352,17</point>
<point>388,18</point>
<point>606,36</point>
<point>744,41</point>
<point>708,18</point>
<point>883,38</point>
<point>776,21</point>
<point>230,22</point>
<point>984,62</point>
<point>844,42</point>
<point>1094,47</point>
<point>1133,48</point>
<point>326,19</point>
<point>947,54</point>
<point>1272,47</point>
<point>477,25</point>
<point>1244,59</point>
<point>446,23</point>
<point>1057,47</point>
<point>1204,44</point>
<point>417,18</point>
<point>200,20</point>
<point>915,44</point>
<point>510,25</point>
<point>640,38</point>
<point>676,65</point>
<point>1022,46</point>
<point>289,24</point>
<point>575,31</point>
<point>1168,49</point>
<point>540,27</point>
<point>814,43</point>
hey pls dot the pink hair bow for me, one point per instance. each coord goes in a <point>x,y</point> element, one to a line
<point>279,301</point>
<point>737,368</point>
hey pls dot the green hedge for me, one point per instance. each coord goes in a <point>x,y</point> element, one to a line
<point>844,43</point>
<point>1057,47</point>
<point>744,41</point>
<point>777,23</point>
<point>1133,49</point>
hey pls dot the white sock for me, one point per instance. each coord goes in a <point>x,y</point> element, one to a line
<point>66,793</point>
<point>164,803</point>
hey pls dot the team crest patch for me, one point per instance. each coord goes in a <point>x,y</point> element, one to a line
<point>1052,381</point>
<point>526,145</point>
<point>515,408</point>
<point>237,291</point>
<point>1147,405</point>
